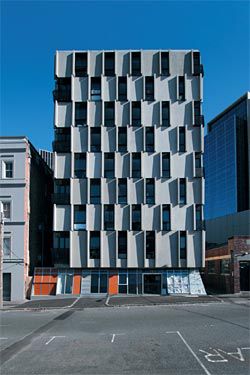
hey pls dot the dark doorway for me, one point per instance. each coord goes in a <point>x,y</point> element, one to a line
<point>244,276</point>
<point>6,286</point>
<point>152,284</point>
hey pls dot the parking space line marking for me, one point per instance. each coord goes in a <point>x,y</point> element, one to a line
<point>77,299</point>
<point>245,348</point>
<point>191,351</point>
<point>113,337</point>
<point>3,338</point>
<point>51,339</point>
<point>116,334</point>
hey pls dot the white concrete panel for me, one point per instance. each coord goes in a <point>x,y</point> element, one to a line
<point>62,165</point>
<point>79,191</point>
<point>94,217</point>
<point>64,63</point>
<point>150,165</point>
<point>109,139</point>
<point>80,139</point>
<point>95,113</point>
<point>135,88</point>
<point>63,218</point>
<point>108,191</point>
<point>63,114</point>
<point>135,139</point>
<point>122,217</point>
<point>122,165</point>
<point>150,113</point>
<point>135,191</point>
<point>122,114</point>
<point>108,88</point>
<point>94,165</point>
<point>79,251</point>
<point>108,256</point>
<point>136,246</point>
<point>81,89</point>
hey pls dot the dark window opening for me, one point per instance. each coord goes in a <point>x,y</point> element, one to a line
<point>81,114</point>
<point>122,245</point>
<point>109,113</point>
<point>109,165</point>
<point>165,63</point>
<point>95,88</point>
<point>109,217</point>
<point>149,87</point>
<point>95,139</point>
<point>136,63</point>
<point>62,92</point>
<point>182,139</point>
<point>122,191</point>
<point>95,191</point>
<point>79,217</point>
<point>62,142</point>
<point>199,216</point>
<point>60,252</point>
<point>166,217</point>
<point>181,85</point>
<point>122,139</point>
<point>150,139</point>
<point>198,118</point>
<point>150,245</point>
<point>150,191</point>
<point>182,192</point>
<point>136,165</point>
<point>94,246</point>
<point>136,217</point>
<point>165,108</point>
<point>166,165</point>
<point>61,191</point>
<point>183,245</point>
<point>122,89</point>
<point>81,64</point>
<point>80,165</point>
<point>109,64</point>
<point>136,113</point>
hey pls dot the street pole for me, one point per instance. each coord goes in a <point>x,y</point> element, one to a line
<point>1,254</point>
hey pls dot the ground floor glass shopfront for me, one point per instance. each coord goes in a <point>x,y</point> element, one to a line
<point>117,281</point>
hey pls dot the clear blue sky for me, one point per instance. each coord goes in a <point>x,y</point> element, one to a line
<point>32,31</point>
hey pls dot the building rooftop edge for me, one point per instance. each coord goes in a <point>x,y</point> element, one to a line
<point>232,105</point>
<point>129,50</point>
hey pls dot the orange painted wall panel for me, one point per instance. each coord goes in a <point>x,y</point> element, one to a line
<point>77,284</point>
<point>113,284</point>
<point>37,289</point>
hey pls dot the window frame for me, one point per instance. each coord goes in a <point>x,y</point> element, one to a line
<point>4,169</point>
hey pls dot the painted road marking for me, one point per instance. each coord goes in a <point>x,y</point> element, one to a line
<point>215,355</point>
<point>191,351</point>
<point>51,339</point>
<point>3,338</point>
<point>115,334</point>
<point>77,299</point>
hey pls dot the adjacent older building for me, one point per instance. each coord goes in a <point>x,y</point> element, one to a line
<point>227,193</point>
<point>129,184</point>
<point>26,183</point>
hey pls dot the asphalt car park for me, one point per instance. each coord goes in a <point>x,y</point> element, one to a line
<point>202,338</point>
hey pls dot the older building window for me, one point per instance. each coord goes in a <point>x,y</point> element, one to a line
<point>7,169</point>
<point>225,266</point>
<point>7,246</point>
<point>6,210</point>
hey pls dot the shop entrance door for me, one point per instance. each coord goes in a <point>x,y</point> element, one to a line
<point>152,284</point>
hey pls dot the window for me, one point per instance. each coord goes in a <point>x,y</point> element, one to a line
<point>109,113</point>
<point>122,245</point>
<point>122,191</point>
<point>94,245</point>
<point>225,266</point>
<point>150,191</point>
<point>182,191</point>
<point>123,283</point>
<point>79,217</point>
<point>150,245</point>
<point>198,118</point>
<point>109,165</point>
<point>60,253</point>
<point>149,88</point>
<point>95,139</point>
<point>199,216</point>
<point>109,63</point>
<point>122,89</point>
<point>136,63</point>
<point>198,160</point>
<point>166,217</point>
<point>183,245</point>
<point>7,169</point>
<point>6,210</point>
<point>99,282</point>
<point>181,86</point>
<point>6,246</point>
<point>95,191</point>
<point>150,139</point>
<point>136,165</point>
<point>165,113</point>
<point>109,217</point>
<point>197,69</point>
<point>81,64</point>
<point>136,217</point>
<point>165,63</point>
<point>122,139</point>
<point>80,113</point>
<point>166,165</point>
<point>62,92</point>
<point>95,88</point>
<point>80,165</point>
<point>211,266</point>
<point>62,140</point>
<point>182,139</point>
<point>62,187</point>
<point>136,113</point>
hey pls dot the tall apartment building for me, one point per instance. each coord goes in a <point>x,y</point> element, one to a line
<point>26,184</point>
<point>227,167</point>
<point>129,186</point>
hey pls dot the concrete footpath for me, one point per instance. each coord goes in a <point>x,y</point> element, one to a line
<point>82,302</point>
